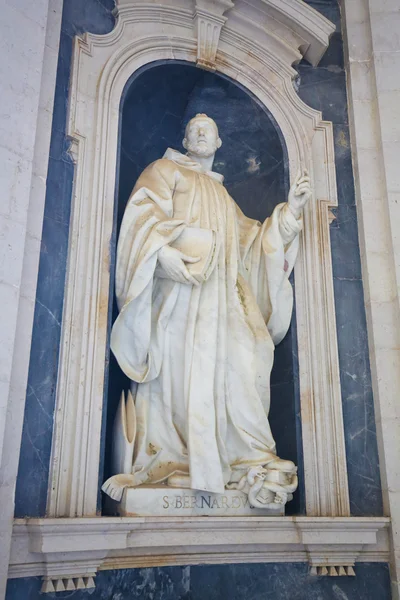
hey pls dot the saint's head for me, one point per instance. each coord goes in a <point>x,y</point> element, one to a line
<point>201,136</point>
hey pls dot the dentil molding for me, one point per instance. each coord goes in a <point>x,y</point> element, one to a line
<point>69,552</point>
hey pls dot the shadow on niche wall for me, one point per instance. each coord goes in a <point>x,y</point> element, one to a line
<point>157,104</point>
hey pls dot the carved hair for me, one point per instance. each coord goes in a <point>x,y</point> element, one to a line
<point>201,116</point>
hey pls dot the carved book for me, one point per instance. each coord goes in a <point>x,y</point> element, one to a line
<point>198,242</point>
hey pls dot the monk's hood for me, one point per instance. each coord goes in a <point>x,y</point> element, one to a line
<point>184,161</point>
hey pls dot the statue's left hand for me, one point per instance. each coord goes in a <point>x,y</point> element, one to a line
<point>299,193</point>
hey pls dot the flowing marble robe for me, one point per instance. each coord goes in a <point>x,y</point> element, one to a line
<point>201,356</point>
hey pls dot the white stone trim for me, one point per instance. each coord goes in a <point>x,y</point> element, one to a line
<point>31,39</point>
<point>209,20</point>
<point>102,65</point>
<point>373,70</point>
<point>68,583</point>
<point>78,548</point>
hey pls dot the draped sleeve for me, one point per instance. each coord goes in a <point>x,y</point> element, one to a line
<point>147,226</point>
<point>268,253</point>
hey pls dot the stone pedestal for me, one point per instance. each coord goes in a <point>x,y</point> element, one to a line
<point>162,501</point>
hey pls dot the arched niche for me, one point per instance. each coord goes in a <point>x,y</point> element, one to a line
<point>157,102</point>
<point>255,44</point>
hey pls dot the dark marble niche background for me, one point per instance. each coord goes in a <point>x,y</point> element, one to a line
<point>156,106</point>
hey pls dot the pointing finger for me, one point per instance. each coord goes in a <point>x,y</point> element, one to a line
<point>296,179</point>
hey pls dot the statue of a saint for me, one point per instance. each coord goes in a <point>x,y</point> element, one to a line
<point>204,297</point>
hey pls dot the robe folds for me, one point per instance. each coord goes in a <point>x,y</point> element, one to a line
<point>200,357</point>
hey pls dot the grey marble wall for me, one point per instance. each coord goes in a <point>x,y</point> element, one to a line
<point>324,88</point>
<point>281,581</point>
<point>78,16</point>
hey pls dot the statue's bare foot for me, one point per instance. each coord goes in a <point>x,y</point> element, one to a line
<point>179,480</point>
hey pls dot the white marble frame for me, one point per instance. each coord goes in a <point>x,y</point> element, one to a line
<point>261,61</point>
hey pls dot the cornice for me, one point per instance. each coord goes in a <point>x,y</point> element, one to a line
<point>73,550</point>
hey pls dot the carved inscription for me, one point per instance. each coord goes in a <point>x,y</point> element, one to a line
<point>189,501</point>
<point>160,501</point>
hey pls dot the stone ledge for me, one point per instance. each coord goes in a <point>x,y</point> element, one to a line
<point>77,548</point>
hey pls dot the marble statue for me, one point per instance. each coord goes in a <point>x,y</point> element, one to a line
<point>203,297</point>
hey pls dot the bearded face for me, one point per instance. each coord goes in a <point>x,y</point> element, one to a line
<point>201,137</point>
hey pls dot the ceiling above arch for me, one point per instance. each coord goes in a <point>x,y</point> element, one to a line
<point>296,29</point>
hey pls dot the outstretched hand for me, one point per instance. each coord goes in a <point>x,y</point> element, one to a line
<point>300,193</point>
<point>173,262</point>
